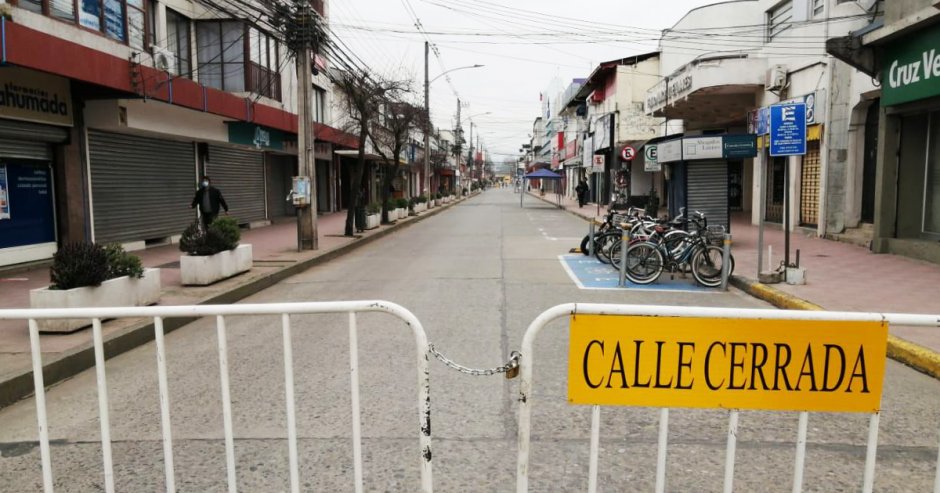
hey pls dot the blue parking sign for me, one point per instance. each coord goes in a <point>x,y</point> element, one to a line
<point>788,129</point>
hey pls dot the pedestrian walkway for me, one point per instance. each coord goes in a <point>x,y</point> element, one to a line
<point>840,276</point>
<point>274,248</point>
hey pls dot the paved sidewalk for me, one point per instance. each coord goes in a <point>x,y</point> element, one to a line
<point>274,248</point>
<point>839,276</point>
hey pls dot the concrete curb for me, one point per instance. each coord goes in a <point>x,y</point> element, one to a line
<point>916,356</point>
<point>73,361</point>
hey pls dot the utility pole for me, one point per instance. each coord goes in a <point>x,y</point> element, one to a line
<point>470,153</point>
<point>306,166</point>
<point>427,125</point>
<point>457,140</point>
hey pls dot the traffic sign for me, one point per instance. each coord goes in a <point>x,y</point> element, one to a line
<point>651,159</point>
<point>628,153</point>
<point>788,129</point>
<point>784,365</point>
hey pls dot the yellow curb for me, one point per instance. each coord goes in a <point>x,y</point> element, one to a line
<point>920,358</point>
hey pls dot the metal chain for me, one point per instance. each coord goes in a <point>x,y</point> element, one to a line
<point>510,365</point>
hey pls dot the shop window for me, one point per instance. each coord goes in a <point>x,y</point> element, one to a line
<point>778,19</point>
<point>178,42</point>
<point>125,21</point>
<point>931,226</point>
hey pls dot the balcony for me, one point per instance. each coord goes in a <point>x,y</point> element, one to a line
<point>264,82</point>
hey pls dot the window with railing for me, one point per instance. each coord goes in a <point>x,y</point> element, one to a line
<point>121,20</point>
<point>237,58</point>
<point>778,19</point>
<point>264,71</point>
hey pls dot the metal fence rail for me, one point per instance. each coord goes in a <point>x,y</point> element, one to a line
<point>526,366</point>
<point>220,312</point>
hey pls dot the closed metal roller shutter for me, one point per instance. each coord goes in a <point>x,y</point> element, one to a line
<point>708,190</point>
<point>809,186</point>
<point>239,175</point>
<point>15,130</point>
<point>141,187</point>
<point>24,140</point>
<point>25,149</point>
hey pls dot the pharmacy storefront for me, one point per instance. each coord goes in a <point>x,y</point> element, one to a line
<point>909,210</point>
<point>35,113</point>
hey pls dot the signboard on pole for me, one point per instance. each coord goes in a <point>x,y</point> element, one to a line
<point>783,365</point>
<point>628,153</point>
<point>651,159</point>
<point>788,129</point>
<point>598,163</point>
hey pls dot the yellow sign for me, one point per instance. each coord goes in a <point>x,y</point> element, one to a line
<point>35,96</point>
<point>785,365</point>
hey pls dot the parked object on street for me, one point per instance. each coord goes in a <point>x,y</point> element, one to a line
<point>213,254</point>
<point>88,275</point>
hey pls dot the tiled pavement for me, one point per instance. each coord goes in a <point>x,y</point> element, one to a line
<point>840,276</point>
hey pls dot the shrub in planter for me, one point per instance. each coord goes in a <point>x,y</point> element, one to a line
<point>402,203</point>
<point>421,199</point>
<point>77,265</point>
<point>223,234</point>
<point>121,263</point>
<point>373,208</point>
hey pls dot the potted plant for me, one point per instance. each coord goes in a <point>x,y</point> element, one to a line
<point>213,254</point>
<point>373,216</point>
<point>421,204</point>
<point>87,275</point>
<point>437,199</point>
<point>402,206</point>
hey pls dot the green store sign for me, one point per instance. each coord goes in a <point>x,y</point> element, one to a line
<point>911,68</point>
<point>255,135</point>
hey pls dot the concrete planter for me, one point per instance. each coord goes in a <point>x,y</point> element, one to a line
<point>147,287</point>
<point>419,208</point>
<point>402,212</point>
<point>373,221</point>
<point>208,269</point>
<point>437,202</point>
<point>430,204</point>
<point>122,291</point>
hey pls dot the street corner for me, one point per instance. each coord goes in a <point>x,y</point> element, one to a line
<point>589,273</point>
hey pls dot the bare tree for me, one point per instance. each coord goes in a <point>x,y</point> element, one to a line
<point>390,135</point>
<point>364,95</point>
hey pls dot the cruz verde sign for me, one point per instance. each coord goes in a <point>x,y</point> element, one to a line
<point>911,70</point>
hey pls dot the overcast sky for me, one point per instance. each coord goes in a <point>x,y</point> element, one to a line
<point>524,45</point>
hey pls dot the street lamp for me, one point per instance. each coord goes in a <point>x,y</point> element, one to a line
<point>427,115</point>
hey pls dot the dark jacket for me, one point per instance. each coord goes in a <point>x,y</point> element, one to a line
<point>215,199</point>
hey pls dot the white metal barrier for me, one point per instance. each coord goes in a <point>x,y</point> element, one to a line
<point>526,365</point>
<point>220,312</point>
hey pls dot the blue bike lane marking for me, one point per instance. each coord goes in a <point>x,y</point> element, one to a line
<point>589,273</point>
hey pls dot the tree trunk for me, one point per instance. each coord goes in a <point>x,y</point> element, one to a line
<point>391,171</point>
<point>355,185</point>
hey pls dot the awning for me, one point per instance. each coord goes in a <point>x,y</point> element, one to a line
<point>355,153</point>
<point>544,174</point>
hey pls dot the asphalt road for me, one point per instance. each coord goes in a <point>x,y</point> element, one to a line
<point>475,276</point>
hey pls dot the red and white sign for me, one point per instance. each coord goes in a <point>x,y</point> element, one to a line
<point>628,153</point>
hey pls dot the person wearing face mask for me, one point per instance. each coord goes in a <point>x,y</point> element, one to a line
<point>209,200</point>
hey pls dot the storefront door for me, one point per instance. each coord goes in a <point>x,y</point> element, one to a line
<point>931,227</point>
<point>870,163</point>
<point>809,186</point>
<point>776,176</point>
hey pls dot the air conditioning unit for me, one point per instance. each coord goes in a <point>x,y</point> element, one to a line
<point>164,60</point>
<point>776,78</point>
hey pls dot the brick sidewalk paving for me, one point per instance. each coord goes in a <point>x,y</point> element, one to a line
<point>273,247</point>
<point>839,276</point>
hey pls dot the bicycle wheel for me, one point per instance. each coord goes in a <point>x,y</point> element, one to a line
<point>707,264</point>
<point>603,244</point>
<point>584,245</point>
<point>644,263</point>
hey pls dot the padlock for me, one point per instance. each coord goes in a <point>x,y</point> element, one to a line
<point>512,372</point>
